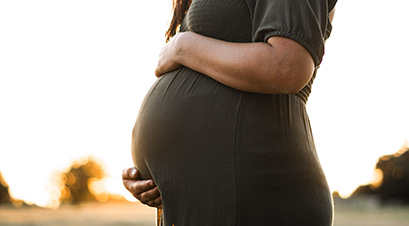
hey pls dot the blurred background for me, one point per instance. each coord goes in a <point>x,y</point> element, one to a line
<point>74,73</point>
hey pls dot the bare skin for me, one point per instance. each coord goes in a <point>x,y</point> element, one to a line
<point>144,190</point>
<point>280,66</point>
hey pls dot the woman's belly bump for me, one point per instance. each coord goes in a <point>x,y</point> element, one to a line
<point>185,114</point>
<point>198,138</point>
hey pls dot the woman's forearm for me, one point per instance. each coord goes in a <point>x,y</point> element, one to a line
<point>280,66</point>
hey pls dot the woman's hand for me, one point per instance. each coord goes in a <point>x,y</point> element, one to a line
<point>278,66</point>
<point>168,57</point>
<point>144,190</point>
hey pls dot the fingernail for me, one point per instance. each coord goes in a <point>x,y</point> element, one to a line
<point>151,183</point>
<point>133,172</point>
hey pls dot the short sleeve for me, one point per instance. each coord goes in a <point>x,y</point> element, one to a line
<point>304,21</point>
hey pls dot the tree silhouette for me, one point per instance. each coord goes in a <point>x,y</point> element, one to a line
<point>394,186</point>
<point>4,192</point>
<point>77,180</point>
<point>395,182</point>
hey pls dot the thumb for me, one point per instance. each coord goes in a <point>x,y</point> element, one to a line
<point>130,173</point>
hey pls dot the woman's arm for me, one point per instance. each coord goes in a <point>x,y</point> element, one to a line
<point>331,14</point>
<point>280,66</point>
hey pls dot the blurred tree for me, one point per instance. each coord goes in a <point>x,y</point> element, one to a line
<point>394,183</point>
<point>367,189</point>
<point>77,181</point>
<point>4,192</point>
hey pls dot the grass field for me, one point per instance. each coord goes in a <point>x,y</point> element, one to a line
<point>361,213</point>
<point>367,212</point>
<point>357,216</point>
<point>118,214</point>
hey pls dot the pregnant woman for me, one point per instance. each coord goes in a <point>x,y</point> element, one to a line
<point>224,133</point>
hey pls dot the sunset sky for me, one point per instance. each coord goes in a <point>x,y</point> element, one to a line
<point>73,74</point>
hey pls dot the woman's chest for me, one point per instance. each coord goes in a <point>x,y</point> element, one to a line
<point>226,20</point>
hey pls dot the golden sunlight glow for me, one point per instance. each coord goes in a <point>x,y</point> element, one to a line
<point>75,90</point>
<point>377,178</point>
<point>98,189</point>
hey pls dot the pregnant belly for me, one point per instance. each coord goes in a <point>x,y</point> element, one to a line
<point>183,116</point>
<point>205,144</point>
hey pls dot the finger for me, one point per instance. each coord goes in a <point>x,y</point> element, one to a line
<point>139,186</point>
<point>156,203</point>
<point>150,195</point>
<point>130,173</point>
<point>136,187</point>
<point>157,72</point>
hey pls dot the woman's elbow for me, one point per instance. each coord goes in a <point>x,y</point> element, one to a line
<point>290,82</point>
<point>292,65</point>
<point>291,89</point>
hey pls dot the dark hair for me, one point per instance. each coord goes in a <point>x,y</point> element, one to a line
<point>180,8</point>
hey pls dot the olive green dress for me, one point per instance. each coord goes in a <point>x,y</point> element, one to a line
<point>221,156</point>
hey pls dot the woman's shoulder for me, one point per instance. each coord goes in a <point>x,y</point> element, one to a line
<point>304,21</point>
